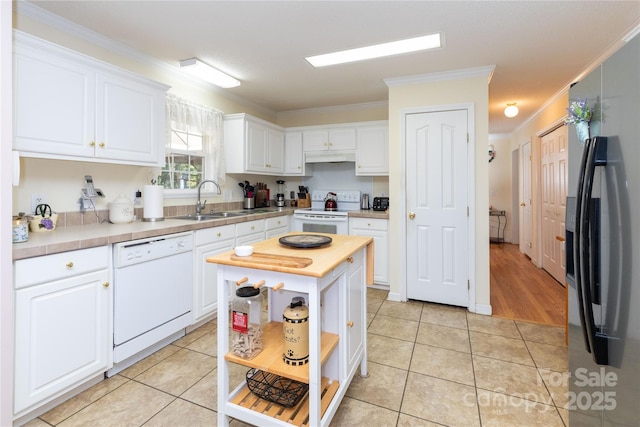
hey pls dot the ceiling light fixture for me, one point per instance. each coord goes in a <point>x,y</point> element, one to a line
<point>511,110</point>
<point>206,72</point>
<point>415,44</point>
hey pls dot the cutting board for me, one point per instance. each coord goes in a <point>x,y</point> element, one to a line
<point>270,259</point>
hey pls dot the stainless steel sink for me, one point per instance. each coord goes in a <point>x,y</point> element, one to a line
<point>214,215</point>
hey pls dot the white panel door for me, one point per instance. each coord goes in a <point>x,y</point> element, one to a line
<point>527,219</point>
<point>554,193</point>
<point>437,228</point>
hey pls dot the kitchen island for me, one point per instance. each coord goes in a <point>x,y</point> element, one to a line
<point>332,279</point>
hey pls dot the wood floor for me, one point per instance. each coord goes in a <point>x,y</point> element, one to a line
<point>521,291</point>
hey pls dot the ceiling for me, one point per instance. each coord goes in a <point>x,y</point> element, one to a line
<point>537,47</point>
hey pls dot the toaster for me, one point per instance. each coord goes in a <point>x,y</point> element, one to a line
<point>380,203</point>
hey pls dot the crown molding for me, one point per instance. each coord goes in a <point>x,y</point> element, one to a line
<point>443,76</point>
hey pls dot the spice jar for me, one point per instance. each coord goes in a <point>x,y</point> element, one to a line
<point>246,321</point>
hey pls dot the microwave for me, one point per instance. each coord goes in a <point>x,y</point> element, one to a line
<point>380,203</point>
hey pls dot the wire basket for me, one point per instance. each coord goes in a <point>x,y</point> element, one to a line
<point>274,388</point>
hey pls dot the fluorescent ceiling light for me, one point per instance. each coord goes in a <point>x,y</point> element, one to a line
<point>431,41</point>
<point>206,72</point>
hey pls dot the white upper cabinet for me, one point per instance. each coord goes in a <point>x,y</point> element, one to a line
<point>293,154</point>
<point>334,139</point>
<point>73,107</point>
<point>372,154</point>
<point>253,145</point>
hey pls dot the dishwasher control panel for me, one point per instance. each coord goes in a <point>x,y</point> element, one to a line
<point>138,251</point>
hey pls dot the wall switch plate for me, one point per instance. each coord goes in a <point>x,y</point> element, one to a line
<point>37,199</point>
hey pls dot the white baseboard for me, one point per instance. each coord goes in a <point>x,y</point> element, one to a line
<point>481,309</point>
<point>394,296</point>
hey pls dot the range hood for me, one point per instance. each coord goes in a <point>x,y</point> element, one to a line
<point>329,156</point>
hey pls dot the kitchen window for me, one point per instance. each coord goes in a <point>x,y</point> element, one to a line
<point>194,147</point>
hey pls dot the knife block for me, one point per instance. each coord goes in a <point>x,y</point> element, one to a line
<point>305,203</point>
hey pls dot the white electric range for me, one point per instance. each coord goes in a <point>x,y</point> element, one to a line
<point>316,219</point>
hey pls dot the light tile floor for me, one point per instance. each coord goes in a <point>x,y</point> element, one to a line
<point>429,365</point>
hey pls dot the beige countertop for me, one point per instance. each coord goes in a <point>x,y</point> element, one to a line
<point>70,238</point>
<point>323,259</point>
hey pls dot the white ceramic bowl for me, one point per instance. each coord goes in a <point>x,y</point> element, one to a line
<point>244,250</point>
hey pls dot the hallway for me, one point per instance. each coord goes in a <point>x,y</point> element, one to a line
<point>521,291</point>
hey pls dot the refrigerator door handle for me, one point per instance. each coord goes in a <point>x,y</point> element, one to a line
<point>589,252</point>
<point>578,244</point>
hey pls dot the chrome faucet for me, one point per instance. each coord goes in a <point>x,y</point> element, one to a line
<point>200,205</point>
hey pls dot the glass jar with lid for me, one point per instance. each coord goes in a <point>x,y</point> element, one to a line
<point>246,322</point>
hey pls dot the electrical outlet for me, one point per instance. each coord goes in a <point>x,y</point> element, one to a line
<point>37,199</point>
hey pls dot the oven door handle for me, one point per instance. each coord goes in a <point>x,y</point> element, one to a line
<point>320,218</point>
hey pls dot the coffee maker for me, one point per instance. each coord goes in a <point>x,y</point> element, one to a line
<point>280,194</point>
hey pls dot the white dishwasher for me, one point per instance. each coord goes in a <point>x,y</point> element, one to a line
<point>153,286</point>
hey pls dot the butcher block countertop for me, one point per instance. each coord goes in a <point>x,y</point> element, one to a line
<point>315,262</point>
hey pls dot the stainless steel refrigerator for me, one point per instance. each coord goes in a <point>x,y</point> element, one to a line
<point>603,247</point>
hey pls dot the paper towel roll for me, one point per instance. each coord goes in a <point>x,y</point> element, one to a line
<point>153,203</point>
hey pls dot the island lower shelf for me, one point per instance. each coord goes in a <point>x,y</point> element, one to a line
<point>270,358</point>
<point>297,415</point>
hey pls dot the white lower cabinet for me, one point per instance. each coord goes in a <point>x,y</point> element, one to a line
<point>355,300</point>
<point>209,242</point>
<point>63,324</point>
<point>378,229</point>
<point>250,232</point>
<point>276,226</point>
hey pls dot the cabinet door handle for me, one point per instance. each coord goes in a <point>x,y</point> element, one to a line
<point>92,144</point>
<point>350,324</point>
<point>106,284</point>
<point>241,281</point>
<point>102,144</point>
<point>350,260</point>
<point>69,264</point>
<point>219,234</point>
<point>278,286</point>
<point>412,215</point>
<point>523,204</point>
<point>258,284</point>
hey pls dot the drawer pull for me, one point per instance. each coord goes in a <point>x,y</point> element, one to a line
<point>350,324</point>
<point>101,145</point>
<point>278,286</point>
<point>219,234</point>
<point>69,264</point>
<point>241,281</point>
<point>350,260</point>
<point>258,284</point>
<point>106,284</point>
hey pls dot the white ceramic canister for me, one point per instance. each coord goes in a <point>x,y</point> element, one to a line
<point>121,210</point>
<point>20,228</point>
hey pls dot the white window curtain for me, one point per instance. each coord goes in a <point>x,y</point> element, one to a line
<point>184,115</point>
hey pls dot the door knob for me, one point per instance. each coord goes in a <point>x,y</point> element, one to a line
<point>412,215</point>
